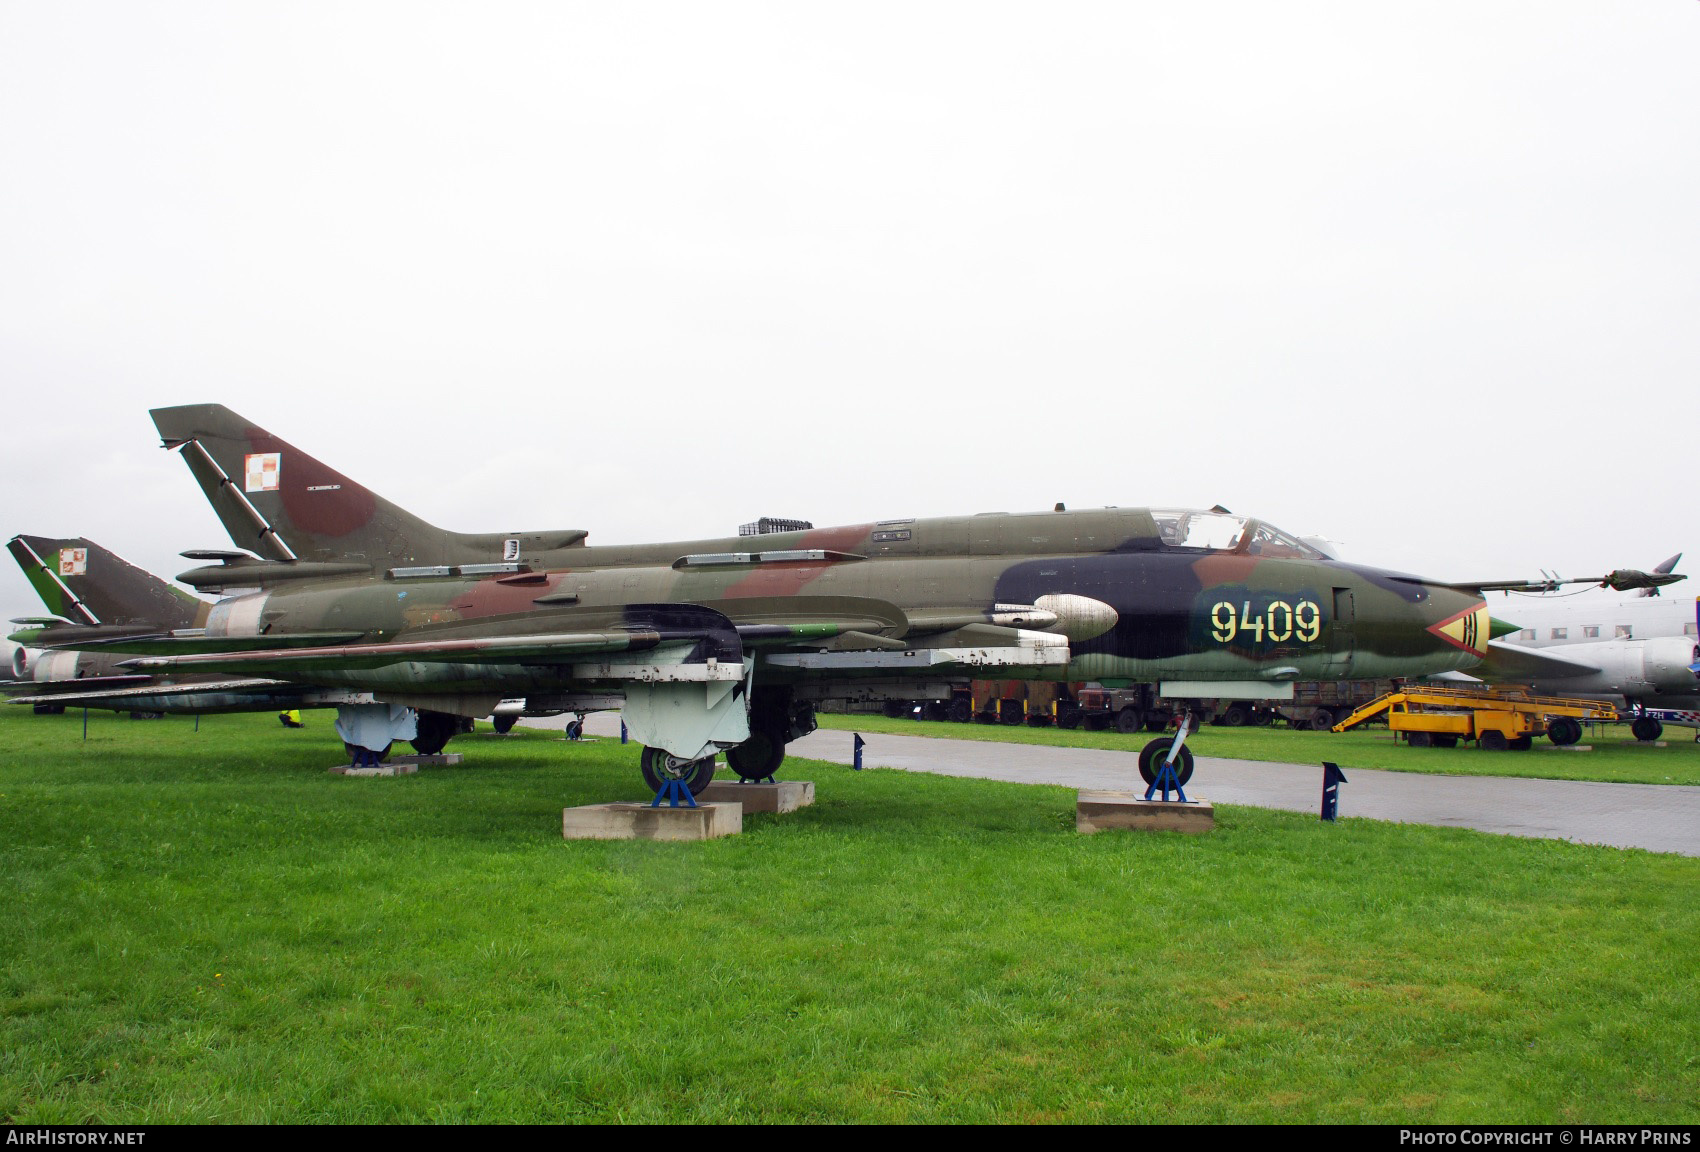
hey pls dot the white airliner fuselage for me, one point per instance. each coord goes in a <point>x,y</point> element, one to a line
<point>1640,649</point>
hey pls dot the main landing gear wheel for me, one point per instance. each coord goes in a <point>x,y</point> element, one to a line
<point>659,767</point>
<point>1564,731</point>
<point>434,731</point>
<point>759,757</point>
<point>1151,759</point>
<point>503,723</point>
<point>1646,728</point>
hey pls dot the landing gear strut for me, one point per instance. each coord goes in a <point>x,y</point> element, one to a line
<point>1167,763</point>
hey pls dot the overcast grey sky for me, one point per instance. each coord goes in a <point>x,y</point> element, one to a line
<point>1422,278</point>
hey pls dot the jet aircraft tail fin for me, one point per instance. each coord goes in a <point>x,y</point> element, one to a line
<point>280,502</point>
<point>84,583</point>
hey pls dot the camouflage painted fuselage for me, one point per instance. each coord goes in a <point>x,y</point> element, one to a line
<point>1174,612</point>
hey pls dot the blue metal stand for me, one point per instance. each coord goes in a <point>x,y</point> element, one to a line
<point>674,791</point>
<point>622,731</point>
<point>856,765</point>
<point>1167,780</point>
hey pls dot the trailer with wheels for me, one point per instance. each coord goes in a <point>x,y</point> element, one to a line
<point>1496,721</point>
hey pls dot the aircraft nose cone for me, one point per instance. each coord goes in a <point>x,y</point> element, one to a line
<point>1468,630</point>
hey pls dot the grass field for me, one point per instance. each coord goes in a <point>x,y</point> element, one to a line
<point>1614,756</point>
<point>205,926</point>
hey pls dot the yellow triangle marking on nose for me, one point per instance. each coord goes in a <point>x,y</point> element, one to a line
<point>1469,630</point>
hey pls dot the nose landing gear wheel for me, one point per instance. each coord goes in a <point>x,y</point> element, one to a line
<point>659,767</point>
<point>1151,761</point>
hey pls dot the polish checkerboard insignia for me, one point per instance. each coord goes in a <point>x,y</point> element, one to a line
<point>73,561</point>
<point>261,471</point>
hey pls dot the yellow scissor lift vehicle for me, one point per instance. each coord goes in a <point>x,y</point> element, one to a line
<point>1440,717</point>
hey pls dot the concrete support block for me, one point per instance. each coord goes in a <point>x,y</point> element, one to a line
<point>440,760</point>
<point>380,770</point>
<point>784,796</point>
<point>628,821</point>
<point>1095,811</point>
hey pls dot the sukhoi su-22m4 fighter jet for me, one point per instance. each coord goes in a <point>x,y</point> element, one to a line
<point>726,645</point>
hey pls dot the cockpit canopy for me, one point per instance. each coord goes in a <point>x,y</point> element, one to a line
<point>1222,532</point>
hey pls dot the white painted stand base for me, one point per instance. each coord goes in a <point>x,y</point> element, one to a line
<point>1095,811</point>
<point>380,770</point>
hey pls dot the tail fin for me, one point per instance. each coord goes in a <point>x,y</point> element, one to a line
<point>276,500</point>
<point>1663,569</point>
<point>87,584</point>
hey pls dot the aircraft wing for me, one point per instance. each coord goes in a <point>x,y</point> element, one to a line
<point>180,644</point>
<point>690,635</point>
<point>100,697</point>
<point>782,621</point>
<point>541,648</point>
<point>55,688</point>
<point>1512,661</point>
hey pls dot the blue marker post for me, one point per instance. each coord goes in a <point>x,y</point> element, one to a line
<point>1332,778</point>
<point>622,731</point>
<point>856,765</point>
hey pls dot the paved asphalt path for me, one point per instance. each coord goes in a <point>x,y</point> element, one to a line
<point>1659,818</point>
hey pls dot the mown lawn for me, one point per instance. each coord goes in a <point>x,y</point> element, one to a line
<point>205,926</point>
<point>1613,755</point>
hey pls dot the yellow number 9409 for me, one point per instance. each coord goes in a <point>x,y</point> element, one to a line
<point>1279,621</point>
